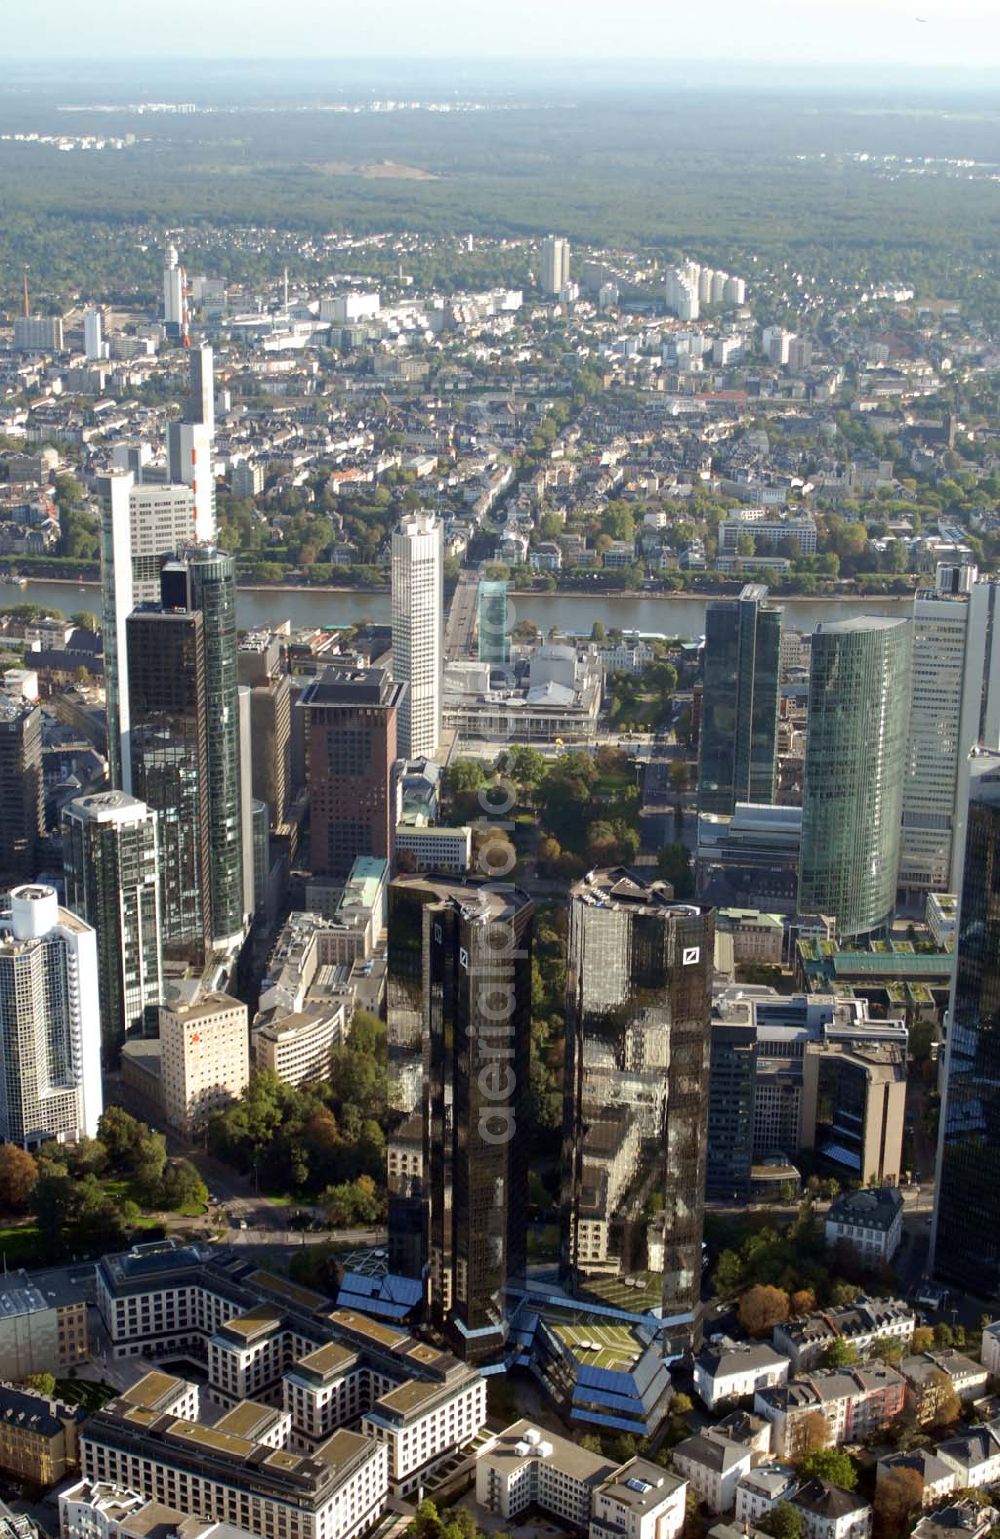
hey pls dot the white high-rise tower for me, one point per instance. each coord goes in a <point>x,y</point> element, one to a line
<point>93,343</point>
<point>954,706</point>
<point>417,611</point>
<point>555,264</point>
<point>174,303</point>
<point>50,1022</point>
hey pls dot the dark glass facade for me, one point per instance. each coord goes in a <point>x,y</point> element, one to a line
<point>636,1097</point>
<point>463,951</point>
<point>169,745</point>
<point>213,593</point>
<point>111,873</point>
<point>967,1231</point>
<point>730,1112</point>
<point>737,759</point>
<point>22,808</point>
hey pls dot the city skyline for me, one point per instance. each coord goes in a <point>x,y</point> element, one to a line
<point>518,847</point>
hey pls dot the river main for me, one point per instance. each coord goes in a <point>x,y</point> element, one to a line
<point>573,614</point>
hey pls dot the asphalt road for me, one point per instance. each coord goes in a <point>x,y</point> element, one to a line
<point>461,621</point>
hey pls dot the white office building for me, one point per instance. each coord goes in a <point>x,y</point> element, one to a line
<point>425,847</point>
<point>336,1492</point>
<point>725,1374</point>
<point>555,264</point>
<point>50,1022</point>
<point>93,337</point>
<point>954,705</point>
<point>205,1057</point>
<point>417,610</point>
<point>348,309</point>
<point>766,529</point>
<point>190,463</point>
<point>297,1047</point>
<point>98,1510</point>
<point>523,1467</point>
<point>161,522</point>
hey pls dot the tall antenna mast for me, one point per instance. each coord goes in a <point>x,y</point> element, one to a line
<point>27,307</point>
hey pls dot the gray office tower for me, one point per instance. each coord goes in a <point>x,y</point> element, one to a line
<point>737,756</point>
<point>732,1087</point>
<point>112,877</point>
<point>169,759</point>
<point>200,404</point>
<point>260,666</point>
<point>186,745</point>
<point>859,699</point>
<point>205,578</point>
<point>965,1241</point>
<point>189,444</point>
<point>22,797</point>
<point>459,1024</point>
<point>639,988</point>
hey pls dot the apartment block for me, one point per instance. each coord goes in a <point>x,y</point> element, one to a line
<point>854,1402</point>
<point>865,1325</point>
<point>39,1438</point>
<point>40,1330</point>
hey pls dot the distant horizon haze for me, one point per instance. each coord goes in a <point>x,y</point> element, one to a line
<point>827,34</point>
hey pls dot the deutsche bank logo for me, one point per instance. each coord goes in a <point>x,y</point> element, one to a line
<point>463,957</point>
<point>691,956</point>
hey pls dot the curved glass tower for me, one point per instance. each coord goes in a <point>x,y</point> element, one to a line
<point>859,697</point>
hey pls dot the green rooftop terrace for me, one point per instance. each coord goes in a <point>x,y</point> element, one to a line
<point>614,1347</point>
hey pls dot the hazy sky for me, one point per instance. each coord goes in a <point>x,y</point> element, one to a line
<point>963,32</point>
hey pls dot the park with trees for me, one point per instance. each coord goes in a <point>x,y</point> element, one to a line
<point>95,1195</point>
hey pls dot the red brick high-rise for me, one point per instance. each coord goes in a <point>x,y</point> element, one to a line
<point>350,752</point>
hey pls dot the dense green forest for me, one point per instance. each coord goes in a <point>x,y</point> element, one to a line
<point>724,175</point>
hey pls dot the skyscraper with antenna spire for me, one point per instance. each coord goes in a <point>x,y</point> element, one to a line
<point>189,443</point>
<point>174,298</point>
